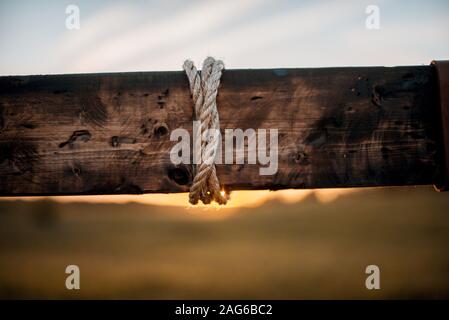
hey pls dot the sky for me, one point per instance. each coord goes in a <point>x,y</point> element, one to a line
<point>121,36</point>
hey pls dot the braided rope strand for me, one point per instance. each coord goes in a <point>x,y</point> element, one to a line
<point>204,90</point>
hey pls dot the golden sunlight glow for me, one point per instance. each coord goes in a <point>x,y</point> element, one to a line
<point>241,198</point>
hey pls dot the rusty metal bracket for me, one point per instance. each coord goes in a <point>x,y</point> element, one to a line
<point>442,70</point>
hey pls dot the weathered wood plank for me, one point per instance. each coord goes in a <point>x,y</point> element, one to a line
<point>109,133</point>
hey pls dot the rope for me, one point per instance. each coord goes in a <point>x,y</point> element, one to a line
<point>204,89</point>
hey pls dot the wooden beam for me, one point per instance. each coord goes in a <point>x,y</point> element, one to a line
<point>109,133</point>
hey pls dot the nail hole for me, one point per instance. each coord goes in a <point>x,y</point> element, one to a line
<point>180,175</point>
<point>161,130</point>
<point>114,141</point>
<point>76,171</point>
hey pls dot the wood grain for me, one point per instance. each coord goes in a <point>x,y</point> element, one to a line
<point>109,133</point>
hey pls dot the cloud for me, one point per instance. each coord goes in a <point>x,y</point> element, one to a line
<point>182,26</point>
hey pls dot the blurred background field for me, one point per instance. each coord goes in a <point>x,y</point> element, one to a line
<point>307,249</point>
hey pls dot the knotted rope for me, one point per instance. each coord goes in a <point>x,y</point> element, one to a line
<point>204,89</point>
